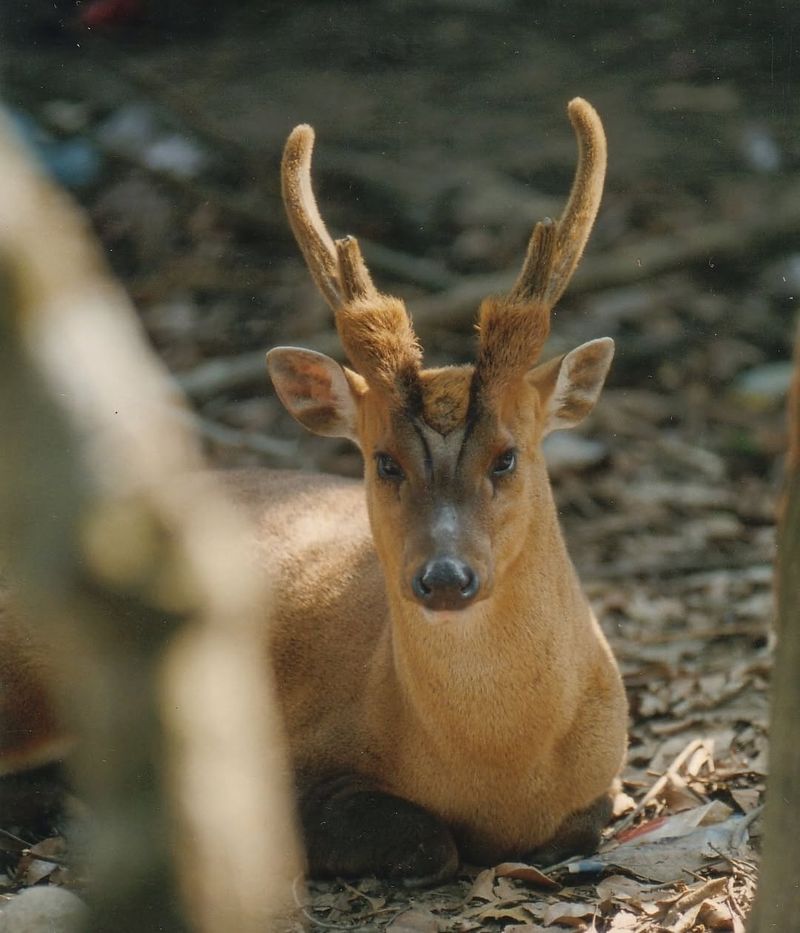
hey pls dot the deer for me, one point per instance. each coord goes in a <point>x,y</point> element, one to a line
<point>446,691</point>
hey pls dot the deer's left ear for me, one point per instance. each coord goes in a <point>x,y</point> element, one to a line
<point>570,385</point>
<point>317,391</point>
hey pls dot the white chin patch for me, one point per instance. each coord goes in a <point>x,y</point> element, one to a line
<point>447,616</point>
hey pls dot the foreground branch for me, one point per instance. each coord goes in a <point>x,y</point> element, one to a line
<point>139,582</point>
<point>778,899</point>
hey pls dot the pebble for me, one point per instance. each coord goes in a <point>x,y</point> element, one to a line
<point>136,131</point>
<point>763,387</point>
<point>43,909</point>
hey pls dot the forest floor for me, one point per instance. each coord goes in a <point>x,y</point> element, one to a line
<point>441,138</point>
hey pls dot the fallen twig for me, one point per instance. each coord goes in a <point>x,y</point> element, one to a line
<point>678,762</point>
<point>677,919</point>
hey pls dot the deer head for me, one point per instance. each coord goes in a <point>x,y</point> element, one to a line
<point>453,467</point>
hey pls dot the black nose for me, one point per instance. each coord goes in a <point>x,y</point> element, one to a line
<point>445,583</point>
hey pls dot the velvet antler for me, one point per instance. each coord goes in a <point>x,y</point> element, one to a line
<point>514,327</point>
<point>374,328</point>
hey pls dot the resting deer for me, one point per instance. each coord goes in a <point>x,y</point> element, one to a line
<point>446,689</point>
<point>446,686</point>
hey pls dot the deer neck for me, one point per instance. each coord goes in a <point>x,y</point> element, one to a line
<point>478,673</point>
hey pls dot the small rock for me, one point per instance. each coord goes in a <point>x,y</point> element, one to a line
<point>135,131</point>
<point>760,150</point>
<point>763,387</point>
<point>175,155</point>
<point>128,130</point>
<point>74,162</point>
<point>571,453</point>
<point>44,909</point>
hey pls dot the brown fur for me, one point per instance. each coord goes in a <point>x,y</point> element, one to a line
<point>511,339</point>
<point>501,723</point>
<point>506,721</point>
<point>445,397</point>
<point>377,336</point>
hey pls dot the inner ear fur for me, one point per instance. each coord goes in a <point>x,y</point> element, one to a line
<point>570,385</point>
<point>316,391</point>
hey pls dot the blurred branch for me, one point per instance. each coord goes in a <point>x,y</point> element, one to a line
<point>778,896</point>
<point>137,573</point>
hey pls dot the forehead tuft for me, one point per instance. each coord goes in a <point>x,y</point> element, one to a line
<point>445,397</point>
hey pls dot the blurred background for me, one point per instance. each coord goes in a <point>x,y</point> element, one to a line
<point>442,137</point>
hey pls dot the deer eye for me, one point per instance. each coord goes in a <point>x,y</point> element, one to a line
<point>505,463</point>
<point>388,467</point>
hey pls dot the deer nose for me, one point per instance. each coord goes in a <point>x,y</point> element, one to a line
<point>445,583</point>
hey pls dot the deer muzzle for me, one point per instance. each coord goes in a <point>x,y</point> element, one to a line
<point>445,583</point>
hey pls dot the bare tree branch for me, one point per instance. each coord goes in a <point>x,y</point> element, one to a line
<point>137,573</point>
<point>778,897</point>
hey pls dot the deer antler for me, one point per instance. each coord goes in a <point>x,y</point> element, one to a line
<point>514,327</point>
<point>375,329</point>
<point>323,257</point>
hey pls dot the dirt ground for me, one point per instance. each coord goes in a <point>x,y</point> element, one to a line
<point>441,138</point>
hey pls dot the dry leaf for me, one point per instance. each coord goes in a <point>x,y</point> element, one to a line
<point>680,824</point>
<point>623,803</point>
<point>523,872</point>
<point>622,921</point>
<point>483,886</point>
<point>678,795</point>
<point>526,928</point>
<point>619,887</point>
<point>506,912</point>
<point>716,915</point>
<point>506,890</point>
<point>569,914</point>
<point>416,920</point>
<point>748,798</point>
<point>675,858</point>
<point>55,846</point>
<point>36,871</point>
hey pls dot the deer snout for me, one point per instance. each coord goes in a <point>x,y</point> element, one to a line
<point>445,583</point>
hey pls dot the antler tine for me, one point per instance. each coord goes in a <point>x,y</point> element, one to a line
<point>354,277</point>
<point>301,207</point>
<point>514,327</point>
<point>549,264</point>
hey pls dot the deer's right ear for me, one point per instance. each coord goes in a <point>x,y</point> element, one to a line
<point>570,385</point>
<point>316,391</point>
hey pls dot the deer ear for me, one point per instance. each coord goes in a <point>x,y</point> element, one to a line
<point>570,385</point>
<point>316,391</point>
